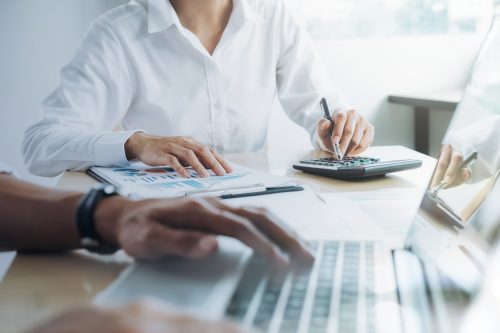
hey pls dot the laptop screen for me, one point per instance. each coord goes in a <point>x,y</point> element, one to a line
<point>458,221</point>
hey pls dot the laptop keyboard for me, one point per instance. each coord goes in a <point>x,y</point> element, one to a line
<point>334,295</point>
<point>347,162</point>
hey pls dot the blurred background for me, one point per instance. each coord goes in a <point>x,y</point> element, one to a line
<point>370,48</point>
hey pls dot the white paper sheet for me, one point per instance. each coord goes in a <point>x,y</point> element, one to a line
<point>6,259</point>
<point>312,218</point>
<point>142,181</point>
<point>391,209</point>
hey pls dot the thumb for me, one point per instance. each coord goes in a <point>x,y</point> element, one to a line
<point>324,126</point>
<point>325,133</point>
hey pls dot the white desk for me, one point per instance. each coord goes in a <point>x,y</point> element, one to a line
<point>38,286</point>
<point>280,164</point>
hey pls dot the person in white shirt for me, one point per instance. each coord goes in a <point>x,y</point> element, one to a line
<point>185,80</point>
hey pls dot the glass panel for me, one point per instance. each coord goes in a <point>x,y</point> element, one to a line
<point>458,222</point>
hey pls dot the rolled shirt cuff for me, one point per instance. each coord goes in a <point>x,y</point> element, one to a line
<point>109,149</point>
<point>4,169</point>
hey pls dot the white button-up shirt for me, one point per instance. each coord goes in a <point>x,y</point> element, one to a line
<point>138,68</point>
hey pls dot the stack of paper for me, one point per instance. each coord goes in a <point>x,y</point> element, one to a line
<point>142,181</point>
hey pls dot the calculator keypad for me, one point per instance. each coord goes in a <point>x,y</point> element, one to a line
<point>347,162</point>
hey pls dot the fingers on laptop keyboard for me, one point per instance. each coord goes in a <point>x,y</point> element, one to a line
<point>227,222</point>
<point>276,231</point>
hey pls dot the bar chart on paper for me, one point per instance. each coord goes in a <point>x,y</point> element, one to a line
<point>151,182</point>
<point>168,177</point>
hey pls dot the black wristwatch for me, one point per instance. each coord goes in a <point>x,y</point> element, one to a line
<point>85,223</point>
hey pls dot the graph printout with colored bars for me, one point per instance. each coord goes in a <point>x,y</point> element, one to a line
<point>144,181</point>
<point>167,176</point>
<point>183,185</point>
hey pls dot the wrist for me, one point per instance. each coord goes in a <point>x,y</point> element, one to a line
<point>61,208</point>
<point>133,145</point>
<point>108,215</point>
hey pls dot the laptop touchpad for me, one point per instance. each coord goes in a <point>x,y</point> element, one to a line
<point>202,287</point>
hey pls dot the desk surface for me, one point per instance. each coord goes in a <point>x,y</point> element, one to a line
<point>38,286</point>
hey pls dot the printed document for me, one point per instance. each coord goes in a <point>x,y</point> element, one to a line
<point>142,181</point>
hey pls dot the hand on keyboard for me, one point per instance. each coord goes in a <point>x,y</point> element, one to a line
<point>154,229</point>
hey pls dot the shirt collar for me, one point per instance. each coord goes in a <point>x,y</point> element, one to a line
<point>247,11</point>
<point>161,14</point>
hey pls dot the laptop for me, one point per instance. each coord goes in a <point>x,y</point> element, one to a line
<point>358,285</point>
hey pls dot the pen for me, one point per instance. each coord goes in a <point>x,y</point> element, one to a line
<point>226,191</point>
<point>468,161</point>
<point>326,111</point>
<point>267,191</point>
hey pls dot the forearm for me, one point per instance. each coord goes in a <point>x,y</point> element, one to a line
<point>34,218</point>
<point>50,148</point>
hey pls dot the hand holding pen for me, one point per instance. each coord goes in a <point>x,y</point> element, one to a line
<point>452,168</point>
<point>344,133</point>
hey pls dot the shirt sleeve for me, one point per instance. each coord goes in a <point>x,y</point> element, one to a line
<point>301,79</point>
<point>5,169</point>
<point>94,93</point>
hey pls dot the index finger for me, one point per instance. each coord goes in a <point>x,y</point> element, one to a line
<point>324,129</point>
<point>190,157</point>
<point>271,226</point>
<point>223,222</point>
<point>454,167</point>
<point>209,160</point>
<point>222,161</point>
<point>350,126</point>
<point>339,119</point>
<point>442,165</point>
<point>209,157</point>
<point>229,224</point>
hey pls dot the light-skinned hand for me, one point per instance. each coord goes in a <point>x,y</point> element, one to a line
<point>449,168</point>
<point>352,132</point>
<point>177,153</point>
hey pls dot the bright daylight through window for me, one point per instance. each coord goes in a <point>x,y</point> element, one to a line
<point>341,19</point>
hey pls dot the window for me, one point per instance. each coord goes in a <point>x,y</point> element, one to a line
<point>340,19</point>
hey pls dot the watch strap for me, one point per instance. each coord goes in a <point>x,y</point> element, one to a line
<point>85,221</point>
